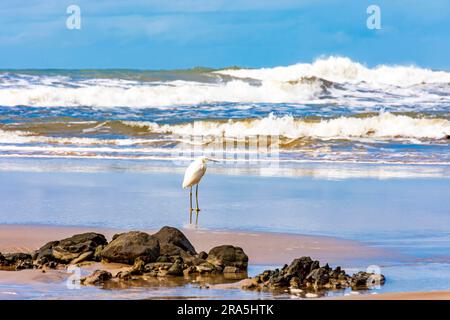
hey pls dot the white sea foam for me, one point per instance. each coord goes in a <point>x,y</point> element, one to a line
<point>167,94</point>
<point>25,137</point>
<point>353,84</point>
<point>344,70</point>
<point>384,125</point>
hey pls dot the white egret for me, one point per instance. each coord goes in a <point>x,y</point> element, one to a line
<point>192,177</point>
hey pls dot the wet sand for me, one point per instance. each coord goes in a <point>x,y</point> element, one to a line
<point>431,295</point>
<point>263,248</point>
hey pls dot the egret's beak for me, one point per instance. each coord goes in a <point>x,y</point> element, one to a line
<point>212,160</point>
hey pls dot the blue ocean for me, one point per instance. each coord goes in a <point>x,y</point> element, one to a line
<point>331,148</point>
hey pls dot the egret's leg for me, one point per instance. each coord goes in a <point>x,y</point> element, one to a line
<point>196,201</point>
<point>190,206</point>
<point>197,210</point>
<point>196,197</point>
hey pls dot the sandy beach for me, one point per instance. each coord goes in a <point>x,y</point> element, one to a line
<point>348,212</point>
<point>263,248</point>
<point>433,295</point>
<point>274,249</point>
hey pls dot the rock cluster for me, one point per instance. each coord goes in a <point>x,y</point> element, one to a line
<point>168,253</point>
<point>165,253</point>
<point>16,261</point>
<point>73,250</point>
<point>307,274</point>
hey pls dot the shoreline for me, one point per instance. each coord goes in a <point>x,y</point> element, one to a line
<point>263,248</point>
<point>416,295</point>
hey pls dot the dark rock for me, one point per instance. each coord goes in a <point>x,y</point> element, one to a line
<point>206,267</point>
<point>202,255</point>
<point>314,265</point>
<point>97,253</point>
<point>178,259</point>
<point>44,263</point>
<point>157,266</point>
<point>170,235</point>
<point>229,269</point>
<point>192,260</point>
<point>82,242</point>
<point>162,273</point>
<point>40,263</point>
<point>265,276</point>
<point>318,277</point>
<point>126,247</point>
<point>189,270</point>
<point>18,260</point>
<point>138,267</point>
<point>115,236</point>
<point>176,269</point>
<point>363,280</point>
<point>247,284</point>
<point>68,249</point>
<point>97,277</point>
<point>34,255</point>
<point>304,273</point>
<point>46,251</point>
<point>169,249</point>
<point>124,275</point>
<point>278,280</point>
<point>13,258</point>
<point>295,283</point>
<point>227,255</point>
<point>301,267</point>
<point>152,273</point>
<point>25,264</point>
<point>335,273</point>
<point>86,256</point>
<point>163,258</point>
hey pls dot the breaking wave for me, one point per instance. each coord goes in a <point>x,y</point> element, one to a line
<point>344,70</point>
<point>384,125</point>
<point>334,80</point>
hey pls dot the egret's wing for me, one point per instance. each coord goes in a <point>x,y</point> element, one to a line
<point>193,174</point>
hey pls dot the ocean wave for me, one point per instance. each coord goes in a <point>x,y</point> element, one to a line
<point>334,80</point>
<point>369,138</point>
<point>10,137</point>
<point>344,70</point>
<point>383,126</point>
<point>159,95</point>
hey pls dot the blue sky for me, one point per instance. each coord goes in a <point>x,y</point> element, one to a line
<point>170,34</point>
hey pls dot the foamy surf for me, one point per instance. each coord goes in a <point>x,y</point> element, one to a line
<point>344,70</point>
<point>334,80</point>
<point>384,125</point>
<point>330,110</point>
<point>366,138</point>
